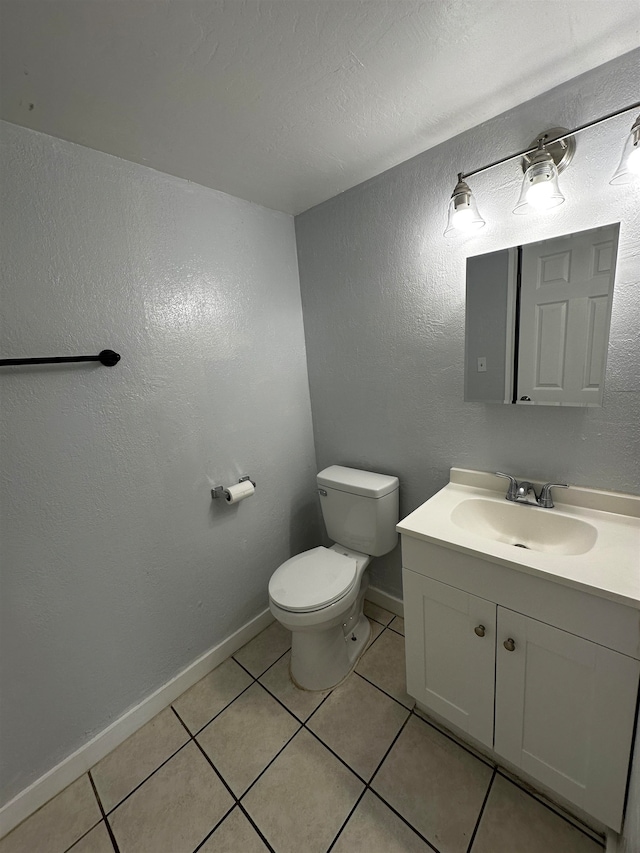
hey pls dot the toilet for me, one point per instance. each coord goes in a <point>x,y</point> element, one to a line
<point>319,595</point>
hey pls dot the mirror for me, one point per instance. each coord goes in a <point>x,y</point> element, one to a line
<point>537,320</point>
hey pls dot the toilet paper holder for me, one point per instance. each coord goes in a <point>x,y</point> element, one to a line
<point>220,491</point>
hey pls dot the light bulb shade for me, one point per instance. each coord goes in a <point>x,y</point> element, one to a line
<point>540,189</point>
<point>629,167</point>
<point>463,211</point>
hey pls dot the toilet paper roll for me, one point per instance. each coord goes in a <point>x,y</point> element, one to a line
<point>237,493</point>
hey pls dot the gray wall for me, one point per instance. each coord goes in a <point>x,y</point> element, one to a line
<point>117,568</point>
<point>383,299</point>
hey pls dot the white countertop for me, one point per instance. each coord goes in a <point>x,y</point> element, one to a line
<point>609,569</point>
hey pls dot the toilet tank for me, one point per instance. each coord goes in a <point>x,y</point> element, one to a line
<point>360,508</point>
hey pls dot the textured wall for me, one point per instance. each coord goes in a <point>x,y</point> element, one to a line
<point>117,568</point>
<point>383,301</point>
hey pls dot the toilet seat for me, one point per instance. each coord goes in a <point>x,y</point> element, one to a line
<point>312,580</point>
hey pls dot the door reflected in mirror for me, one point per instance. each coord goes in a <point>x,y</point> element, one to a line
<point>537,320</point>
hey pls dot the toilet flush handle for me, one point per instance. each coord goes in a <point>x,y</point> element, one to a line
<point>322,492</point>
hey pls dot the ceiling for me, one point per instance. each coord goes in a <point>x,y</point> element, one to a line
<point>289,102</point>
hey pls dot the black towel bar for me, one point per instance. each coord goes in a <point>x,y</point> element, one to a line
<point>107,357</point>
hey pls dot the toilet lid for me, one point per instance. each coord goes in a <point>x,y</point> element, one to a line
<point>312,580</point>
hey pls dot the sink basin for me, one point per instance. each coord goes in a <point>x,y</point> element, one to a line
<point>590,540</point>
<point>524,526</point>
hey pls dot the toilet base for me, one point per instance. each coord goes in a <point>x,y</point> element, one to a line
<point>320,660</point>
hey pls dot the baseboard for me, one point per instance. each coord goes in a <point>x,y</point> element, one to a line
<point>383,599</point>
<point>84,758</point>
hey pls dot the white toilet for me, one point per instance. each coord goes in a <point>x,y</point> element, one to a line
<point>319,594</point>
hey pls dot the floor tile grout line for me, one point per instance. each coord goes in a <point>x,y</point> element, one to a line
<point>264,838</point>
<point>347,819</point>
<point>380,797</point>
<point>319,705</point>
<point>389,748</point>
<point>256,677</point>
<point>375,639</point>
<point>207,758</point>
<point>246,791</point>
<point>67,849</point>
<point>114,843</point>
<point>306,720</point>
<point>236,799</point>
<point>146,779</point>
<point>385,624</point>
<point>104,814</point>
<point>217,714</point>
<point>361,778</point>
<point>382,690</point>
<point>221,821</point>
<point>271,665</point>
<point>442,731</point>
<point>481,812</point>
<point>556,810</point>
<point>402,818</point>
<point>281,703</point>
<point>264,769</point>
<point>335,755</point>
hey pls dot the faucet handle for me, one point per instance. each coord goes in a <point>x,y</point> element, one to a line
<point>512,491</point>
<point>545,500</point>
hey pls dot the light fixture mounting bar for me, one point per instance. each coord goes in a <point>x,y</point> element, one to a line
<point>464,175</point>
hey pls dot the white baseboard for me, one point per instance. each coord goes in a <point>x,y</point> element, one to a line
<point>84,758</point>
<point>383,599</point>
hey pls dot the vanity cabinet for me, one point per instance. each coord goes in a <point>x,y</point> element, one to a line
<point>544,676</point>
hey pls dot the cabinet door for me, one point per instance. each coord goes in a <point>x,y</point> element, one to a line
<point>565,711</point>
<point>450,668</point>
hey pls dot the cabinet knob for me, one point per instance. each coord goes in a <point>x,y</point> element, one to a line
<point>509,645</point>
<point>479,630</point>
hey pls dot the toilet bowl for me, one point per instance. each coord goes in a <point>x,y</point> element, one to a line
<point>320,600</point>
<point>319,595</point>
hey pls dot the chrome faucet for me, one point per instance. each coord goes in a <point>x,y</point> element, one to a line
<point>519,492</point>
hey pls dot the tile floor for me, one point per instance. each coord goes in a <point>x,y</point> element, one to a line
<point>243,762</point>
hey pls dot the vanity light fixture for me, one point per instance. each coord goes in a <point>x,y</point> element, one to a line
<point>463,210</point>
<point>629,168</point>
<point>540,189</point>
<point>542,162</point>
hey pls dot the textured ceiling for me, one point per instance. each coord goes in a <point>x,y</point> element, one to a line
<point>289,102</point>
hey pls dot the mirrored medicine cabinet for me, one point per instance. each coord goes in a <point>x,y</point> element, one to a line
<point>537,320</point>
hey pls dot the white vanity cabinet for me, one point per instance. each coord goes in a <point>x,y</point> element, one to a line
<point>543,675</point>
